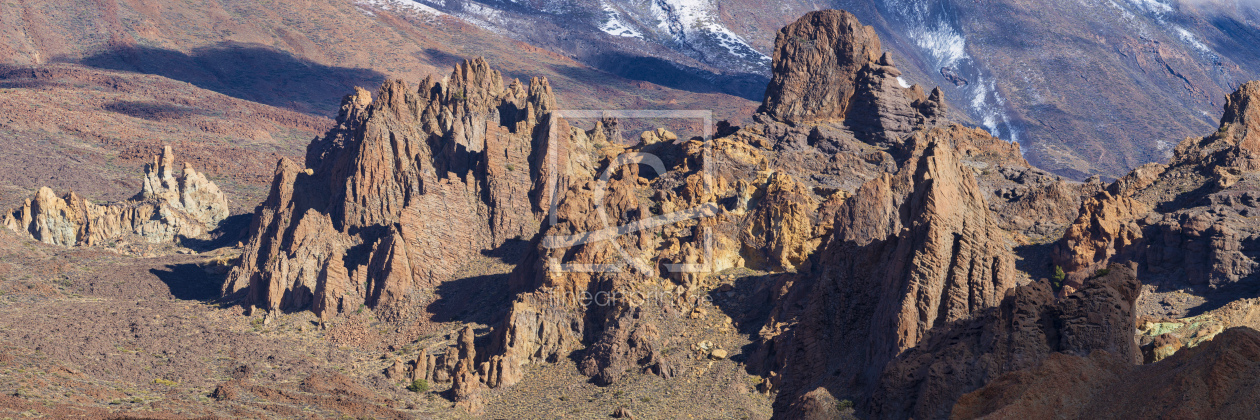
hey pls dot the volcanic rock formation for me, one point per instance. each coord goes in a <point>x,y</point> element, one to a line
<point>766,197</point>
<point>830,67</point>
<point>169,207</point>
<point>909,251</point>
<point>1028,326</point>
<point>878,205</point>
<point>1186,223</point>
<point>817,62</point>
<point>1216,380</point>
<point>399,194</point>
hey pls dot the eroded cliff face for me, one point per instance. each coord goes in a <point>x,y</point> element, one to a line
<point>396,197</point>
<point>1186,223</point>
<point>1028,327</point>
<point>910,251</point>
<point>170,206</point>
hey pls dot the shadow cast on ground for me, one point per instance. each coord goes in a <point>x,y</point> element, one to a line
<point>252,72</point>
<point>669,74</point>
<point>189,281</point>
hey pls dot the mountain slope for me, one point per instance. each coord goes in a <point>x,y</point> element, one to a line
<point>1087,88</point>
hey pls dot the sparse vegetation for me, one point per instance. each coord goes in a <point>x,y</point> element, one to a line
<point>1102,272</point>
<point>1057,278</point>
<point>844,405</point>
<point>418,386</point>
<point>166,382</point>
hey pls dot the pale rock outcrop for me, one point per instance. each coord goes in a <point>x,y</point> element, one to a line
<point>191,192</point>
<point>169,207</point>
<point>779,232</point>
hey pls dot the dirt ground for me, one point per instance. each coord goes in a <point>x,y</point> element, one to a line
<point>93,333</point>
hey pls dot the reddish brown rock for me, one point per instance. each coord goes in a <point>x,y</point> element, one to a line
<point>420,179</point>
<point>909,252</point>
<point>817,61</point>
<point>627,346</point>
<point>1030,326</point>
<point>1215,380</point>
<point>830,67</point>
<point>1185,223</point>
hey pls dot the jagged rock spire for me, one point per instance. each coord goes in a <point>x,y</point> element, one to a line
<point>1242,115</point>
<point>410,183</point>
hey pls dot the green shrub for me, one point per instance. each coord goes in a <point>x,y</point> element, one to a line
<point>1102,272</point>
<point>1056,279</point>
<point>418,386</point>
<point>844,405</point>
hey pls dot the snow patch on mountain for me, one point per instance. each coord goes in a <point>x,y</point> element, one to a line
<point>485,17</point>
<point>397,6</point>
<point>613,24</point>
<point>929,25</point>
<point>1152,6</point>
<point>1189,38</point>
<point>942,42</point>
<point>987,103</point>
<point>694,23</point>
